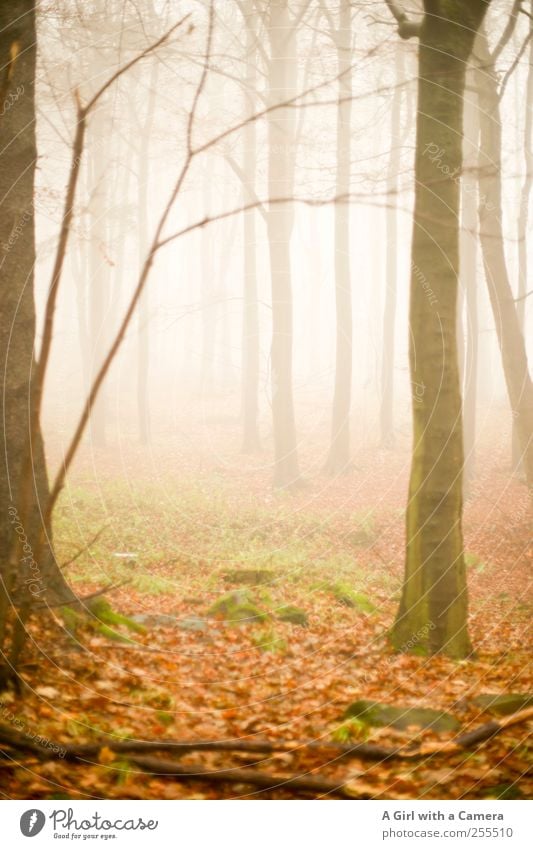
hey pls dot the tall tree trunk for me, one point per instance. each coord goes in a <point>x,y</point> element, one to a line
<point>510,336</point>
<point>339,452</point>
<point>143,350</point>
<point>99,275</point>
<point>42,580</point>
<point>250,330</point>
<point>433,607</point>
<point>524,218</point>
<point>391,264</point>
<point>469,283</point>
<point>209,271</point>
<point>280,219</point>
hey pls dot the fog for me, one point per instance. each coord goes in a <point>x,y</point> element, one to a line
<point>185,340</point>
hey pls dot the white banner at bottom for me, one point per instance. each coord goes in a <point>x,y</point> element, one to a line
<point>267,824</point>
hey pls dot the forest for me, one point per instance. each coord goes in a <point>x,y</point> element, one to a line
<point>266,408</point>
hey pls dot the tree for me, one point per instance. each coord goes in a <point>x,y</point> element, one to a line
<point>523,218</point>
<point>280,220</point>
<point>30,575</point>
<point>434,594</point>
<point>250,329</point>
<point>22,491</point>
<point>508,329</point>
<point>339,452</point>
<point>469,282</point>
<point>391,267</point>
<point>98,269</point>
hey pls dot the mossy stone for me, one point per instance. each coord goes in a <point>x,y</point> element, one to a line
<point>503,704</point>
<point>102,610</point>
<point>350,598</point>
<point>236,607</point>
<point>294,615</point>
<point>250,577</point>
<point>381,715</point>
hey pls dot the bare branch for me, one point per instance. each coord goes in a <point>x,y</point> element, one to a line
<point>85,547</point>
<point>203,77</point>
<point>508,31</point>
<point>406,28</point>
<point>517,59</point>
<point>236,168</point>
<point>48,328</point>
<point>126,67</point>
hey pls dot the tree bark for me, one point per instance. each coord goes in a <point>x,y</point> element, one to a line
<point>339,452</point>
<point>33,579</point>
<point>280,219</point>
<point>433,610</point>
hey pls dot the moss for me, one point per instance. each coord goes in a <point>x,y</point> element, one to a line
<point>350,598</point>
<point>102,610</point>
<point>71,620</point>
<point>381,715</point>
<point>250,577</point>
<point>237,607</point>
<point>269,641</point>
<point>292,614</point>
<point>111,634</point>
<point>504,704</point>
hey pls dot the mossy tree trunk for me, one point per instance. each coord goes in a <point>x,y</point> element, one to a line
<point>433,608</point>
<point>23,578</point>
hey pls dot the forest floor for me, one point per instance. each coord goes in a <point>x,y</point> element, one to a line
<point>180,530</point>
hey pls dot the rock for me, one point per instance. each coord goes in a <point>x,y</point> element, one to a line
<point>292,614</point>
<point>250,577</point>
<point>236,607</point>
<point>381,715</point>
<point>154,620</point>
<point>505,703</point>
<point>192,623</point>
<point>162,620</point>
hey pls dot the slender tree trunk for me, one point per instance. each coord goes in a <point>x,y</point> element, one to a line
<point>208,293</point>
<point>143,350</point>
<point>31,580</point>
<point>250,330</point>
<point>469,283</point>
<point>98,273</point>
<point>433,607</point>
<point>314,305</point>
<point>339,452</point>
<point>280,219</point>
<point>77,258</point>
<point>510,336</point>
<point>524,219</point>
<point>391,265</point>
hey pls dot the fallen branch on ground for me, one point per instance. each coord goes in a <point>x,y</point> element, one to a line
<point>300,784</point>
<point>365,751</point>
